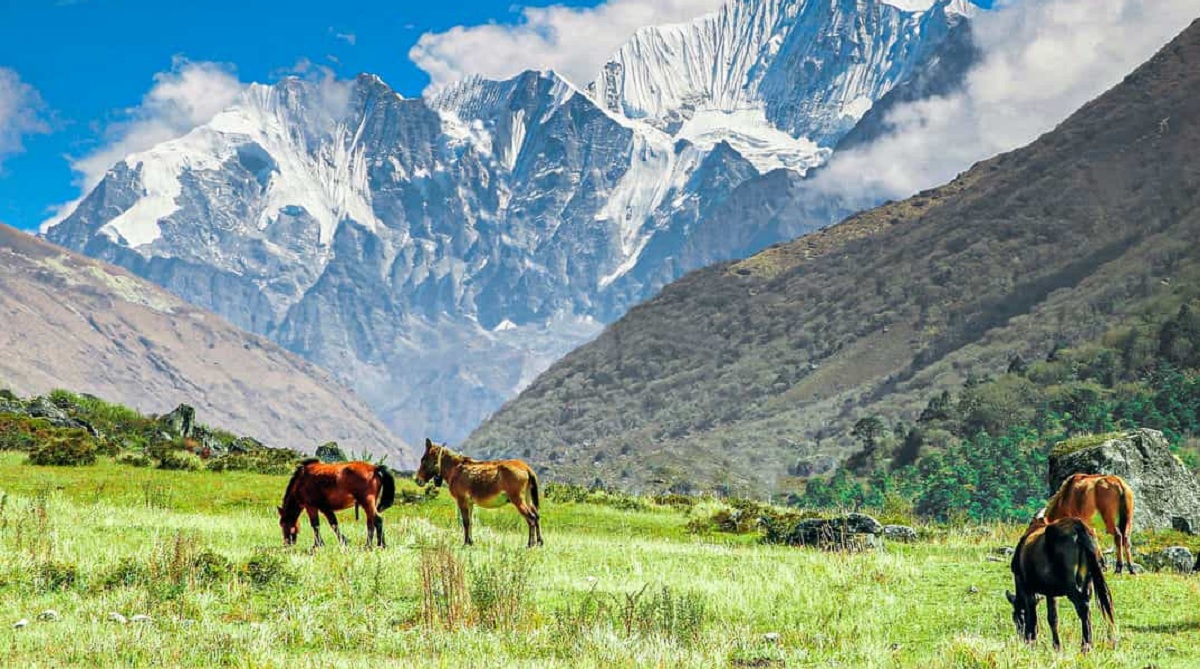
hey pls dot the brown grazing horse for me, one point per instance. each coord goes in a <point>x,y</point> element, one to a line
<point>1058,559</point>
<point>490,484</point>
<point>322,488</point>
<point>1082,495</point>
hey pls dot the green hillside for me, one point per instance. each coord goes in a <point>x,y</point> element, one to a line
<point>740,375</point>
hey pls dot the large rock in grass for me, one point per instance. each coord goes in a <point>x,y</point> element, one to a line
<point>1166,493</point>
<point>1175,558</point>
<point>853,531</point>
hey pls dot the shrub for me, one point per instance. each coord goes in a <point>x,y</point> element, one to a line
<point>444,594</point>
<point>22,433</point>
<point>266,568</point>
<point>135,459</point>
<point>210,567</point>
<point>179,460</point>
<point>52,575</point>
<point>127,572</point>
<point>498,590</point>
<point>69,447</point>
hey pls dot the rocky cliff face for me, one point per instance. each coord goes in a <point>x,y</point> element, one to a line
<point>75,323</point>
<point>438,253</point>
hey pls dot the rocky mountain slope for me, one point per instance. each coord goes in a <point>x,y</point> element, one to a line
<point>736,371</point>
<point>438,253</point>
<point>73,322</point>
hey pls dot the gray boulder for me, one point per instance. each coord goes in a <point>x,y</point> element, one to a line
<point>899,533</point>
<point>1166,493</point>
<point>331,452</point>
<point>854,531</point>
<point>180,423</point>
<point>1175,558</point>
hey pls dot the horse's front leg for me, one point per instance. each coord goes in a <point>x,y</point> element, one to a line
<point>315,520</point>
<point>331,518</point>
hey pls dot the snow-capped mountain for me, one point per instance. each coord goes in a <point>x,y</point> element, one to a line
<point>438,253</point>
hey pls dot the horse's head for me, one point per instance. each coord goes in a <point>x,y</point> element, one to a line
<point>430,468</point>
<point>291,528</point>
<point>1018,612</point>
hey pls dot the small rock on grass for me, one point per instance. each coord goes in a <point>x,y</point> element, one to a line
<point>117,618</point>
<point>974,590</point>
<point>49,615</point>
<point>771,637</point>
<point>140,618</point>
<point>20,623</point>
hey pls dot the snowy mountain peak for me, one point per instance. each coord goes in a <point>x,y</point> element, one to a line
<point>463,241</point>
<point>805,69</point>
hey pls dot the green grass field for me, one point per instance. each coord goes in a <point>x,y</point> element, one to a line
<point>133,537</point>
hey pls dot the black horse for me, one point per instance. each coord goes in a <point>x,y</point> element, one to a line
<point>1059,559</point>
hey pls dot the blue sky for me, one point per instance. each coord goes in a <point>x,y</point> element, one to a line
<point>91,59</point>
<point>93,62</point>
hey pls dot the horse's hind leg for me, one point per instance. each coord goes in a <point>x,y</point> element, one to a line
<point>1052,618</point>
<point>331,517</point>
<point>1118,538</point>
<point>379,531</point>
<point>1085,618</point>
<point>464,514</point>
<point>530,517</point>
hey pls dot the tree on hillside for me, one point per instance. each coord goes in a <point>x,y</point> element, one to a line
<point>868,430</point>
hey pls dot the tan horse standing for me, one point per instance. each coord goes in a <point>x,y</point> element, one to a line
<point>488,483</point>
<point>1083,495</point>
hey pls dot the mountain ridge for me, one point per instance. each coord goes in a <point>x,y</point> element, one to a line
<point>785,350</point>
<point>80,324</point>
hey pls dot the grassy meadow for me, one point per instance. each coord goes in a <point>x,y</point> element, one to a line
<point>200,554</point>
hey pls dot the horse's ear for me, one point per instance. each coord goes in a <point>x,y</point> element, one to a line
<point>1012,599</point>
<point>428,444</point>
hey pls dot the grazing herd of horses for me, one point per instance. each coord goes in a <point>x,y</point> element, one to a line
<point>1058,556</point>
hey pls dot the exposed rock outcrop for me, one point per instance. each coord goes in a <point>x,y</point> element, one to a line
<point>1166,493</point>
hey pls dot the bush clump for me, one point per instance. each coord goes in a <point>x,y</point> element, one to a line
<point>126,573</point>
<point>53,575</point>
<point>67,448</point>
<point>265,568</point>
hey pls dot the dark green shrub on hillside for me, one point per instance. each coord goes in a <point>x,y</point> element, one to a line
<point>264,460</point>
<point>67,447</point>
<point>126,573</point>
<point>22,433</point>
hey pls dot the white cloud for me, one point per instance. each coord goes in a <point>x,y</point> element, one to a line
<point>573,41</point>
<point>1042,60</point>
<point>186,96</point>
<point>348,38</point>
<point>21,110</point>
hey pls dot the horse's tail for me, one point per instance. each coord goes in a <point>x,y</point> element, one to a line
<point>388,495</point>
<point>1125,508</point>
<point>533,490</point>
<point>1095,568</point>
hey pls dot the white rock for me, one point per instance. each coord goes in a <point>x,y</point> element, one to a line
<point>49,615</point>
<point>140,618</point>
<point>20,623</point>
<point>117,618</point>
<point>771,637</point>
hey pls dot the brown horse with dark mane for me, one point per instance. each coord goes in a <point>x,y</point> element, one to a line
<point>320,488</point>
<point>1058,559</point>
<point>488,483</point>
<point>1083,495</point>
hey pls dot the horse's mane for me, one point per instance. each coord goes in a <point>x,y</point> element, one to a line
<point>291,486</point>
<point>1052,505</point>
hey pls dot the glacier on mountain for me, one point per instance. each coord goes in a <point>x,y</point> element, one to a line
<point>437,253</point>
